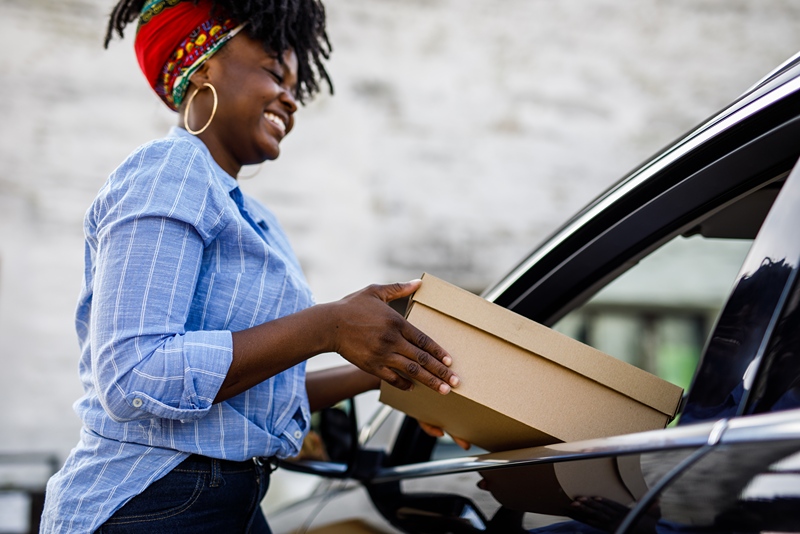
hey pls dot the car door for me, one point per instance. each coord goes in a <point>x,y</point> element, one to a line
<point>750,366</point>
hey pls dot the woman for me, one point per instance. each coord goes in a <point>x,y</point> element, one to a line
<point>195,319</point>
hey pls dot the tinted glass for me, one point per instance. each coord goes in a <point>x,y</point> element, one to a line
<point>739,344</point>
<point>777,386</point>
<point>753,487</point>
<point>722,379</point>
<point>658,314</point>
<point>594,493</point>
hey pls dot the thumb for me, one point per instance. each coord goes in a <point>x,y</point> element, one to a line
<point>399,290</point>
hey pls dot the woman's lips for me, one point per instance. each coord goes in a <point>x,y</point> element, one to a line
<point>277,121</point>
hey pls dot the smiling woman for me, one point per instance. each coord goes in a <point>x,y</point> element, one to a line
<point>195,319</point>
<point>250,103</point>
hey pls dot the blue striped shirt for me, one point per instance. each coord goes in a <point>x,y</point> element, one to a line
<point>177,258</point>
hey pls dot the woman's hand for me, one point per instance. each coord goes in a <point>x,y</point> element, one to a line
<point>437,432</point>
<point>377,339</point>
<point>361,327</point>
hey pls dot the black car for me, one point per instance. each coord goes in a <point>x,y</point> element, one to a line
<point>731,462</point>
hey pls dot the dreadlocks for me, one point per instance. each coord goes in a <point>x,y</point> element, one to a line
<point>278,24</point>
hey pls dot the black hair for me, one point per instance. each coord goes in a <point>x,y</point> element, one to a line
<point>278,24</point>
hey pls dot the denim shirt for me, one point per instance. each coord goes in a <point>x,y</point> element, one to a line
<point>176,258</point>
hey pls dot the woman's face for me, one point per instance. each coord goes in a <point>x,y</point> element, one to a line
<point>256,102</point>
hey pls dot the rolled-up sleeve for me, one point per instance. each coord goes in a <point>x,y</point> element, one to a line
<point>158,214</point>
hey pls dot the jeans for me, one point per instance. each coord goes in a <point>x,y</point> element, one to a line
<point>200,495</point>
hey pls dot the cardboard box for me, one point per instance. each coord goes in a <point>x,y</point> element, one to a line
<point>523,384</point>
<point>551,488</point>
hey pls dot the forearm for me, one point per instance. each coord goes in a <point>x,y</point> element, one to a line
<point>329,386</point>
<point>263,351</point>
<point>361,327</point>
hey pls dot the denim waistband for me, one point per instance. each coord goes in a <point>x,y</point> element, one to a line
<point>197,462</point>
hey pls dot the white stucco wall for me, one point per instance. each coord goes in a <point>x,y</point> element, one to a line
<point>462,132</point>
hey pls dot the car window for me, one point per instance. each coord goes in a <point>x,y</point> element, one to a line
<point>658,314</point>
<point>745,487</point>
<point>776,386</point>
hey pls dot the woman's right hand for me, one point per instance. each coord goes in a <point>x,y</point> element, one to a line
<point>362,327</point>
<point>377,339</point>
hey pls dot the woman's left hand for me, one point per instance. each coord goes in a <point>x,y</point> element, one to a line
<point>437,432</point>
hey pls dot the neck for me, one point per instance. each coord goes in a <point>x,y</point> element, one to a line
<point>223,158</point>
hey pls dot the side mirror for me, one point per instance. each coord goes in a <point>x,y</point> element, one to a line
<point>337,429</point>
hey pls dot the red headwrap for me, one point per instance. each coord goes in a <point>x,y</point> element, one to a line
<point>173,39</point>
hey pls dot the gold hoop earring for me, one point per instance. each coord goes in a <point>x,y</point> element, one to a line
<point>258,170</point>
<point>189,106</point>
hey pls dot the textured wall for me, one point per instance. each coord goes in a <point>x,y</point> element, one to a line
<point>462,132</point>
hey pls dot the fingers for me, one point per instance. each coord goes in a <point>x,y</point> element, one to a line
<point>418,357</point>
<point>390,292</point>
<point>606,507</point>
<point>431,430</point>
<point>437,432</point>
<point>417,338</point>
<point>380,341</point>
<point>423,367</point>
<point>597,511</point>
<point>394,379</point>
<point>464,444</point>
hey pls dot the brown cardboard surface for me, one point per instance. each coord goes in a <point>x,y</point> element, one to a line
<point>485,427</point>
<point>593,478</point>
<point>538,339</point>
<point>521,380</point>
<point>550,488</point>
<point>630,470</point>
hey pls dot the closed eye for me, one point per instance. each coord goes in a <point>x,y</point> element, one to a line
<point>278,77</point>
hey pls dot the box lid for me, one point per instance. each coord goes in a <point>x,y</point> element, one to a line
<point>620,376</point>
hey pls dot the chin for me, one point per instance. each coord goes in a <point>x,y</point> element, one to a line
<point>269,150</point>
<point>260,154</point>
<point>271,156</point>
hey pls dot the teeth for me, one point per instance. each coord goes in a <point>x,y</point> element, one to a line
<point>276,120</point>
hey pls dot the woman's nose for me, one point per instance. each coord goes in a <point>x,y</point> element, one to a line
<point>288,100</point>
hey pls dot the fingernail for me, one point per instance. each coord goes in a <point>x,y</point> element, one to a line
<point>415,280</point>
<point>447,360</point>
<point>454,381</point>
<point>444,389</point>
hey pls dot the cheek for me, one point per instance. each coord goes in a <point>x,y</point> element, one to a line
<point>244,108</point>
<point>243,93</point>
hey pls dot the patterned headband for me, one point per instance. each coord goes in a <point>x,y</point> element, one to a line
<point>173,39</point>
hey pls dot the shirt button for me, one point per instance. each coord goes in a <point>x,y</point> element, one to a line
<point>298,434</point>
<point>137,403</point>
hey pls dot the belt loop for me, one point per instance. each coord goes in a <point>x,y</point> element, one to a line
<point>216,473</point>
<point>269,463</point>
<point>273,464</point>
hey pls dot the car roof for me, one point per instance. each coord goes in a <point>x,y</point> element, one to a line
<point>787,69</point>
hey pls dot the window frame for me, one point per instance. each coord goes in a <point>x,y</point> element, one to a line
<point>687,192</point>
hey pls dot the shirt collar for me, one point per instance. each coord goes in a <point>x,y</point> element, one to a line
<point>227,180</point>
